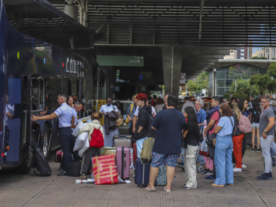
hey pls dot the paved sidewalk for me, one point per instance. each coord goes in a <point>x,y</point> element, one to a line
<point>30,190</point>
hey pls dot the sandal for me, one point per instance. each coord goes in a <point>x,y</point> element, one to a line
<point>168,191</point>
<point>148,189</point>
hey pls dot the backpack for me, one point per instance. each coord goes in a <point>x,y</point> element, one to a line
<point>145,153</point>
<point>244,124</point>
<point>97,139</point>
<point>43,168</point>
<point>151,132</point>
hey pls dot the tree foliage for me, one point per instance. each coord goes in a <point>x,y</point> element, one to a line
<point>262,58</point>
<point>243,86</point>
<point>272,70</point>
<point>200,83</point>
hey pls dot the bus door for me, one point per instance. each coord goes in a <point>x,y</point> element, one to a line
<point>37,105</point>
<point>12,121</point>
<point>25,118</point>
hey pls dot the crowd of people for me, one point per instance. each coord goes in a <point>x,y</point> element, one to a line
<point>179,132</point>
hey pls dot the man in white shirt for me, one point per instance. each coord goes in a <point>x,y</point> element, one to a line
<point>65,116</point>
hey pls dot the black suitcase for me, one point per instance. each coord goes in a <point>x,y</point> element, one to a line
<point>42,166</point>
<point>73,169</point>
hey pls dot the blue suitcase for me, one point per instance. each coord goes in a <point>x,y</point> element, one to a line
<point>141,174</point>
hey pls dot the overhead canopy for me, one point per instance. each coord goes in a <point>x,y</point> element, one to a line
<point>182,22</point>
<point>42,20</point>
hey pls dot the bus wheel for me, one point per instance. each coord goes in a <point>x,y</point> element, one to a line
<point>45,141</point>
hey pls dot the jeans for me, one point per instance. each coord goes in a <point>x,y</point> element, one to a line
<point>139,145</point>
<point>223,160</point>
<point>265,145</point>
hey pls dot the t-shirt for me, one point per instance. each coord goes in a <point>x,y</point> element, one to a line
<point>64,113</point>
<point>256,116</point>
<point>169,124</point>
<point>105,108</point>
<point>227,126</point>
<point>265,115</point>
<point>215,117</point>
<point>136,111</point>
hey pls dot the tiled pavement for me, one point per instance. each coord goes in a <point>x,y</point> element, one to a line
<point>30,190</point>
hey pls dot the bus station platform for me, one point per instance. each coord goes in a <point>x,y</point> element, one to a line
<point>33,191</point>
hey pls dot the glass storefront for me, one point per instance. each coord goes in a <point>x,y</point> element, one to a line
<point>225,76</point>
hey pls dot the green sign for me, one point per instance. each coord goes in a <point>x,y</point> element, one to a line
<point>115,60</point>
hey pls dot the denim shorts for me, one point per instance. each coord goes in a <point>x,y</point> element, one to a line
<point>255,125</point>
<point>159,159</point>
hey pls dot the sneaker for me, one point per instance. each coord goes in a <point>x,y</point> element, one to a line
<point>204,171</point>
<point>210,177</point>
<point>258,150</point>
<point>60,169</point>
<point>265,176</point>
<point>237,169</point>
<point>208,173</point>
<point>244,166</point>
<point>270,175</point>
<point>253,150</point>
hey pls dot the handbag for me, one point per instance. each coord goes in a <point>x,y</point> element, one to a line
<point>209,140</point>
<point>214,140</point>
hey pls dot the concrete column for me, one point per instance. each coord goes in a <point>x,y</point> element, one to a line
<point>172,62</point>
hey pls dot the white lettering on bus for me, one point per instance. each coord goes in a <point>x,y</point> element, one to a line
<point>75,66</point>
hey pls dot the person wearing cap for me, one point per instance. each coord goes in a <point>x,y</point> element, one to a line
<point>141,129</point>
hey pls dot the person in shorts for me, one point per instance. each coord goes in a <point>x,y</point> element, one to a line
<point>167,145</point>
<point>256,112</point>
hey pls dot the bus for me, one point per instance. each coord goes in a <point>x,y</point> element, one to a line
<point>32,74</point>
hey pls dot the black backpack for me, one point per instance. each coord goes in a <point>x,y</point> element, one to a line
<point>42,166</point>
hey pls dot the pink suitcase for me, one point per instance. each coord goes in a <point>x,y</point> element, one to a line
<point>122,143</point>
<point>122,161</point>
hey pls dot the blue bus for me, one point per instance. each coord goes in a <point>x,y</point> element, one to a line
<point>32,74</point>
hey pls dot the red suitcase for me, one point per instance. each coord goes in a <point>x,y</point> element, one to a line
<point>134,153</point>
<point>122,162</point>
<point>59,155</point>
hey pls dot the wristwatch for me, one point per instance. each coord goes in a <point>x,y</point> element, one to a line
<point>265,131</point>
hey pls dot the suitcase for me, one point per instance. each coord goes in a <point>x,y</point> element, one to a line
<point>122,162</point>
<point>162,176</point>
<point>59,155</point>
<point>122,142</point>
<point>118,136</point>
<point>134,152</point>
<point>141,174</point>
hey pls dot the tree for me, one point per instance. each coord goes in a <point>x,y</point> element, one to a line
<point>191,86</point>
<point>272,70</point>
<point>243,86</point>
<point>262,58</point>
<point>261,82</point>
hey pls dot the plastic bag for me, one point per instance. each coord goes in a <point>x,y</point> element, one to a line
<point>76,131</point>
<point>80,141</point>
<point>204,146</point>
<point>85,147</point>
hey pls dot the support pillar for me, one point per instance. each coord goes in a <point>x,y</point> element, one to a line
<point>172,63</point>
